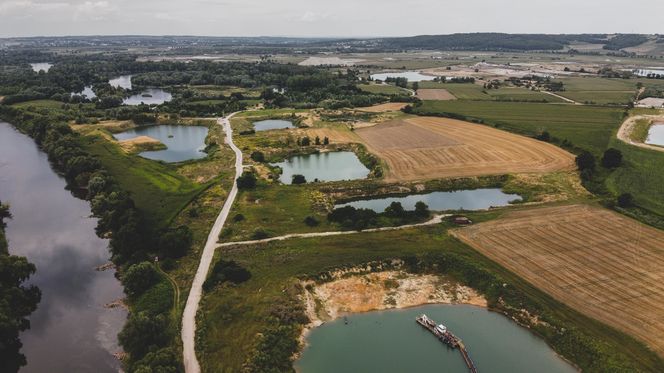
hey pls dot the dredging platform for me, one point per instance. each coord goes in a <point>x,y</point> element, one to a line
<point>445,336</point>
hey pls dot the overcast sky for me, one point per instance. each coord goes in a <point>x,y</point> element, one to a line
<point>326,17</point>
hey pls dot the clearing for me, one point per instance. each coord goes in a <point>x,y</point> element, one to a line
<point>428,148</point>
<point>598,262</point>
<point>435,94</point>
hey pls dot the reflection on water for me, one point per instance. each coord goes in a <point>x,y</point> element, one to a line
<point>123,81</point>
<point>656,134</point>
<point>71,330</point>
<point>412,76</point>
<point>152,96</point>
<point>87,92</point>
<point>391,342</point>
<point>477,199</point>
<point>41,66</point>
<point>331,166</point>
<point>183,142</point>
<point>272,124</point>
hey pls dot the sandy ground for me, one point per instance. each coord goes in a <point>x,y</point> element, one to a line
<point>113,126</point>
<point>381,290</point>
<point>598,262</point>
<point>625,131</point>
<point>336,136</point>
<point>391,106</point>
<point>324,61</point>
<point>429,148</point>
<point>140,143</point>
<point>435,94</point>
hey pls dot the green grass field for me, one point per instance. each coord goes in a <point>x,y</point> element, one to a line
<point>588,127</point>
<point>468,91</point>
<point>50,104</point>
<point>599,90</point>
<point>157,189</point>
<point>383,89</point>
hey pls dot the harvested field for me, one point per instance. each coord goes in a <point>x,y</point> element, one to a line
<point>391,106</point>
<point>598,262</point>
<point>430,148</point>
<point>435,94</point>
<point>336,136</point>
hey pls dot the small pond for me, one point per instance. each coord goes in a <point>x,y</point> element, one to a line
<point>152,96</point>
<point>477,199</point>
<point>123,81</point>
<point>41,66</point>
<point>87,92</point>
<point>412,76</point>
<point>183,142</point>
<point>656,134</point>
<point>649,71</point>
<point>330,166</point>
<point>391,342</point>
<point>272,124</point>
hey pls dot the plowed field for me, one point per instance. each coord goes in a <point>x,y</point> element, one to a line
<point>429,148</point>
<point>600,263</point>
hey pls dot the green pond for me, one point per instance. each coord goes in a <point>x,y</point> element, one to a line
<point>330,166</point>
<point>391,342</point>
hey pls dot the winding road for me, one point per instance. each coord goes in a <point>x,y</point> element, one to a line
<point>188,333</point>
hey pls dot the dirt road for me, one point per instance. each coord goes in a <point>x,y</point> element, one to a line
<point>625,131</point>
<point>191,364</point>
<point>435,220</point>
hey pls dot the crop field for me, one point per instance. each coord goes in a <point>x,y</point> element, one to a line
<point>383,89</point>
<point>427,148</point>
<point>589,127</point>
<point>435,94</point>
<point>600,263</point>
<point>391,106</point>
<point>598,90</point>
<point>469,91</point>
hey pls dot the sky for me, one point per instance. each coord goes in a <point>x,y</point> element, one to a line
<point>333,18</point>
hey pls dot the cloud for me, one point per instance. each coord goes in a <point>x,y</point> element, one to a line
<point>310,16</point>
<point>27,7</point>
<point>96,10</point>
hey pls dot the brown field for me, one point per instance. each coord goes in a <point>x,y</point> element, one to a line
<point>429,148</point>
<point>598,262</point>
<point>435,94</point>
<point>335,135</point>
<point>390,106</point>
<point>140,144</point>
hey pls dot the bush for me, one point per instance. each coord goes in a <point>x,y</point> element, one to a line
<point>298,179</point>
<point>544,136</point>
<point>260,234</point>
<point>612,158</point>
<point>143,333</point>
<point>238,218</point>
<point>311,221</point>
<point>258,157</point>
<point>139,277</point>
<point>226,271</point>
<point>585,161</point>
<point>625,200</point>
<point>247,180</point>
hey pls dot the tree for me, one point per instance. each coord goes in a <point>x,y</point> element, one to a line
<point>326,141</point>
<point>247,180</point>
<point>4,214</point>
<point>164,360</point>
<point>176,242</point>
<point>143,333</point>
<point>585,161</point>
<point>226,271</point>
<point>317,140</point>
<point>416,86</point>
<point>139,277</point>
<point>298,179</point>
<point>612,158</point>
<point>305,141</point>
<point>395,210</point>
<point>544,136</point>
<point>422,210</point>
<point>625,200</point>
<point>258,157</point>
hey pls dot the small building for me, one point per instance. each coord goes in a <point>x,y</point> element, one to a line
<point>461,220</point>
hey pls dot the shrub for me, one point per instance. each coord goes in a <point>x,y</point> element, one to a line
<point>226,271</point>
<point>311,221</point>
<point>247,180</point>
<point>238,218</point>
<point>176,242</point>
<point>298,179</point>
<point>260,234</point>
<point>585,161</point>
<point>625,200</point>
<point>258,157</point>
<point>612,158</point>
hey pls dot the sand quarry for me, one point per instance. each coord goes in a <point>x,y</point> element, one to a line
<point>429,148</point>
<point>598,262</point>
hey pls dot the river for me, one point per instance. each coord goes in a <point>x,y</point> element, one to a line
<point>71,330</point>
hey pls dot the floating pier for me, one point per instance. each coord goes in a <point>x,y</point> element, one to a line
<point>445,336</point>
